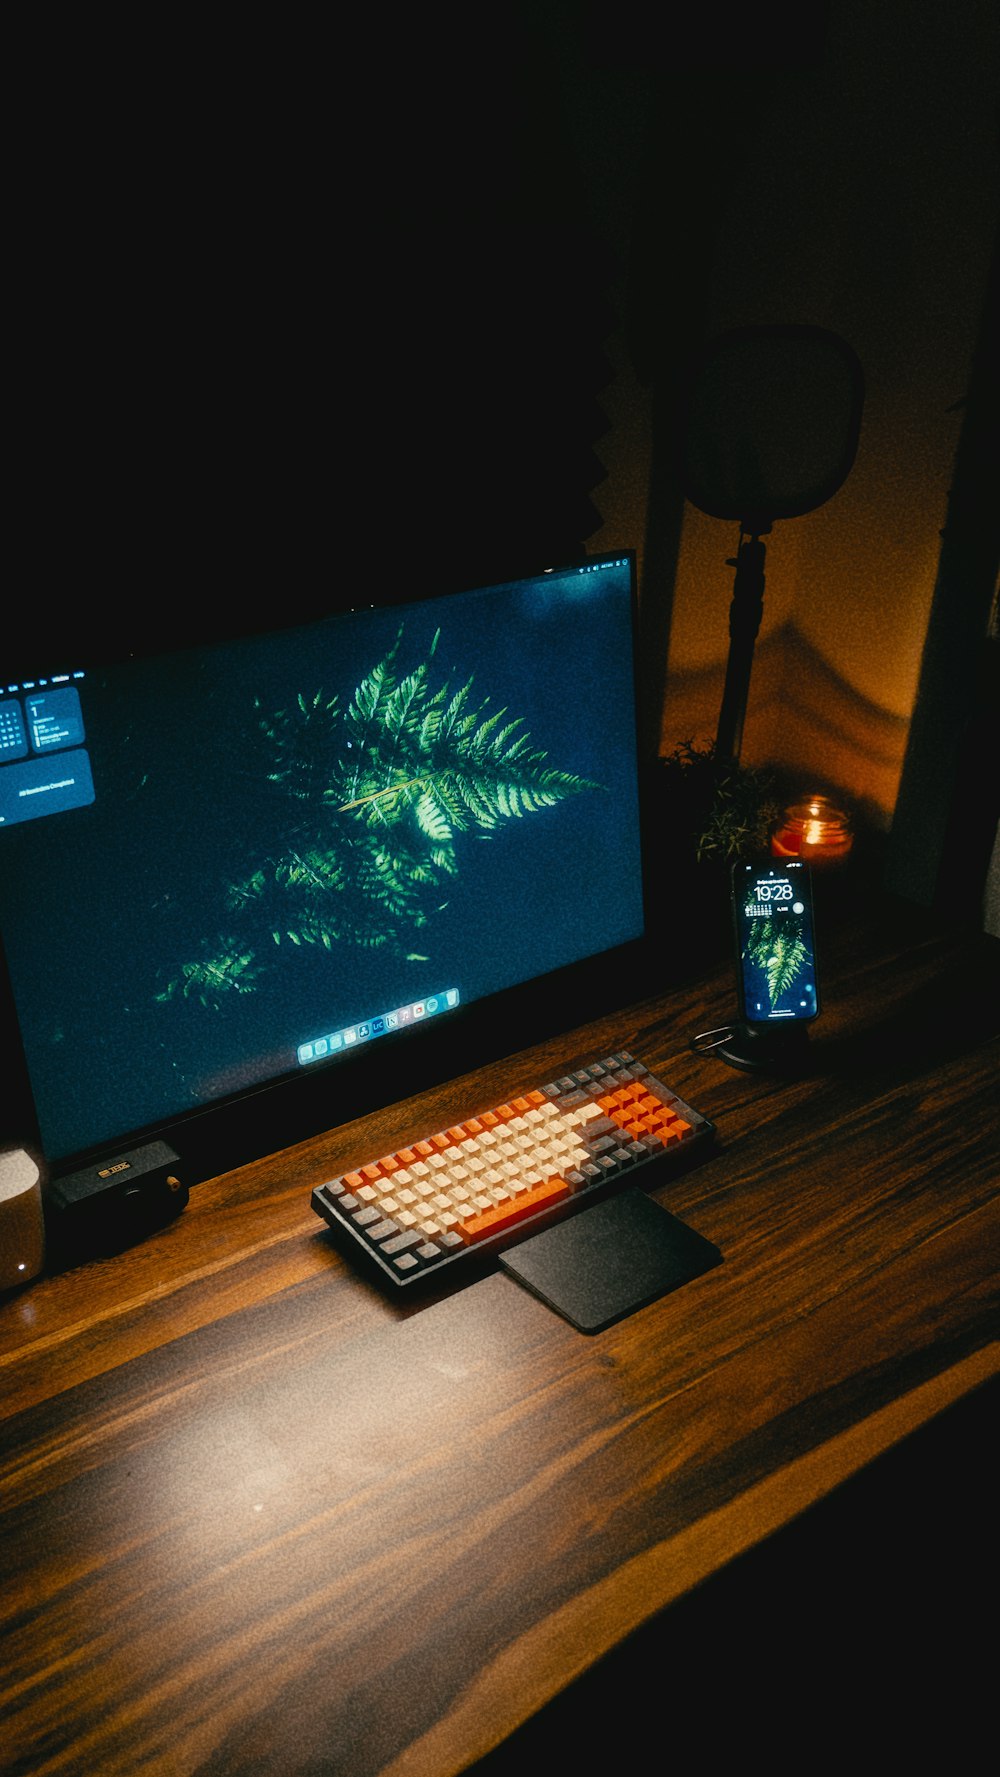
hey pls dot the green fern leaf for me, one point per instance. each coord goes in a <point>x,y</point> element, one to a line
<point>214,979</point>
<point>378,795</point>
<point>785,962</point>
<point>431,818</point>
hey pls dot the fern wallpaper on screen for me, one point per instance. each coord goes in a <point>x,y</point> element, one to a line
<point>296,832</point>
<point>777,963</point>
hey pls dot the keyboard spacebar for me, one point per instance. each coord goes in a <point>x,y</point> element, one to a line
<point>504,1215</point>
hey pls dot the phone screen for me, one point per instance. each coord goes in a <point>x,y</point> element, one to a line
<point>775,942</point>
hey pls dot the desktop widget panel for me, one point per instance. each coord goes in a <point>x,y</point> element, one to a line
<point>39,718</point>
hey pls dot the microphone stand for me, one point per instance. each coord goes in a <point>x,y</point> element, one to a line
<point>745,614</point>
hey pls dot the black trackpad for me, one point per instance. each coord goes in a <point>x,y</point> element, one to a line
<point>609,1260</point>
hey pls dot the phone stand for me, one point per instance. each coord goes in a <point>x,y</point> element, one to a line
<point>781,1049</point>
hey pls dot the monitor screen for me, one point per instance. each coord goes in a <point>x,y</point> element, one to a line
<point>303,871</point>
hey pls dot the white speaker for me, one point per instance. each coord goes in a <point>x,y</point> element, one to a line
<point>22,1222</point>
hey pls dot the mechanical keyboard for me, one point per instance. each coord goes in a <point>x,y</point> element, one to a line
<point>509,1170</point>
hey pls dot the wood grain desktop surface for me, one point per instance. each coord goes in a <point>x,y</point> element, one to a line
<point>258,1517</point>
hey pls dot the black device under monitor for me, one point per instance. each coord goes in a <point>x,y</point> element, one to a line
<point>255,888</point>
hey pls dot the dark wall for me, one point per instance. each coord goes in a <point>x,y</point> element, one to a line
<point>279,340</point>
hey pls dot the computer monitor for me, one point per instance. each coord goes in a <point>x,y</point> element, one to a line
<point>254,888</point>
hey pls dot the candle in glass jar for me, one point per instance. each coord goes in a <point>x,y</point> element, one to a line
<point>815,830</point>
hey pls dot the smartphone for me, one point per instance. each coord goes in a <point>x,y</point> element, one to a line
<point>775,941</point>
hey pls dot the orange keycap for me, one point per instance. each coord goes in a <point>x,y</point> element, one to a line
<point>504,1215</point>
<point>353,1179</point>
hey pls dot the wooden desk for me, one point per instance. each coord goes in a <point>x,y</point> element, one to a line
<point>259,1518</point>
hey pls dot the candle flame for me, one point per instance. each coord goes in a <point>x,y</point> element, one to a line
<point>814,829</point>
